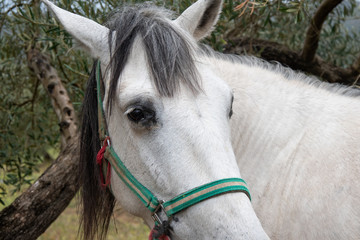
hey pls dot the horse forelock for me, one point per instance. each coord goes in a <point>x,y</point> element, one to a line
<point>169,54</point>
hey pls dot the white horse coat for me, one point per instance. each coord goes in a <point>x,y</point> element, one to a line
<point>297,144</point>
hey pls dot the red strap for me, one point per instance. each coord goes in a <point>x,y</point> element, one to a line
<point>163,237</point>
<point>99,161</point>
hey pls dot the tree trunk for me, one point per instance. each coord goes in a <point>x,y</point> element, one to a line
<point>33,212</point>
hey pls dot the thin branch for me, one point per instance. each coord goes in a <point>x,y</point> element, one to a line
<point>356,65</point>
<point>23,103</point>
<point>62,69</point>
<point>7,12</point>
<point>355,84</point>
<point>32,100</point>
<point>355,68</point>
<point>313,32</point>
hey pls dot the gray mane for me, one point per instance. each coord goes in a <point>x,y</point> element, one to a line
<point>169,54</point>
<point>285,71</point>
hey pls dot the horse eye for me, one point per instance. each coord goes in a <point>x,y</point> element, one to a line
<point>136,115</point>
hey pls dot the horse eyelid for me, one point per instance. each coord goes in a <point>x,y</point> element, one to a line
<point>231,106</point>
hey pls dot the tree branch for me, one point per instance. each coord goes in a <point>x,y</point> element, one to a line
<point>23,103</point>
<point>356,65</point>
<point>272,51</point>
<point>34,210</point>
<point>313,32</point>
<point>60,100</point>
<point>62,69</point>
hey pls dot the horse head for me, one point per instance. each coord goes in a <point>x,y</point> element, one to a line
<point>167,115</point>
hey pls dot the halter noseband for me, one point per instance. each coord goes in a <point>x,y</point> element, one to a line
<point>156,206</point>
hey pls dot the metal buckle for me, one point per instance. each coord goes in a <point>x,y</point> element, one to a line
<point>155,215</point>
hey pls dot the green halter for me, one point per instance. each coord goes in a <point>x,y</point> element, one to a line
<point>174,205</point>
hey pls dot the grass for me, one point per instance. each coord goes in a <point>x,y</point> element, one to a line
<point>123,226</point>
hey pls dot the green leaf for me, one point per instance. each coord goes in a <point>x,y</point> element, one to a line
<point>291,10</point>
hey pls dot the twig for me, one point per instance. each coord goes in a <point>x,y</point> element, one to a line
<point>33,101</point>
<point>77,72</point>
<point>245,5</point>
<point>23,103</point>
<point>62,69</point>
<point>39,23</point>
<point>7,12</point>
<point>356,65</point>
<point>355,84</point>
<point>355,70</point>
<point>313,32</point>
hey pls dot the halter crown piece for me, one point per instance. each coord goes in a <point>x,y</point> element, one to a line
<point>156,206</point>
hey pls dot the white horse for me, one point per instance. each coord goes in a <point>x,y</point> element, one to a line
<point>168,104</point>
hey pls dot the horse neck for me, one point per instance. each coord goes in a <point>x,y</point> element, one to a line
<point>274,115</point>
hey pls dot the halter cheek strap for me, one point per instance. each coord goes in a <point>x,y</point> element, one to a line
<point>156,206</point>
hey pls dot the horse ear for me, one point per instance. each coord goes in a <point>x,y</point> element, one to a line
<point>200,17</point>
<point>91,35</point>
